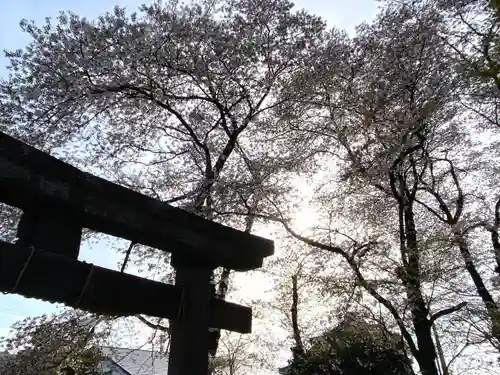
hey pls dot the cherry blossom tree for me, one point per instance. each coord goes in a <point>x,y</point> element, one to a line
<point>169,101</point>
<point>385,115</point>
<point>68,341</point>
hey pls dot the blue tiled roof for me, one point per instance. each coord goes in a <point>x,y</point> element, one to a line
<point>137,362</point>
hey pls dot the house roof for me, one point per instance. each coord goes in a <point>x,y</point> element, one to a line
<point>137,362</point>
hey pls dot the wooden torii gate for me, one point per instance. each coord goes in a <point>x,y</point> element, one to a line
<point>59,200</point>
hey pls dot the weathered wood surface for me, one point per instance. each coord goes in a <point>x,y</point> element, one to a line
<point>50,231</point>
<point>60,279</point>
<point>29,177</point>
<point>189,341</point>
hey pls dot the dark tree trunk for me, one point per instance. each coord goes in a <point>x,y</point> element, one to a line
<point>420,313</point>
<point>298,350</point>
<point>488,301</point>
<point>205,198</point>
<point>219,291</point>
<point>496,248</point>
<point>495,238</point>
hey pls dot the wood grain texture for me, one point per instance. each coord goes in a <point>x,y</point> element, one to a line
<point>29,177</point>
<point>59,279</point>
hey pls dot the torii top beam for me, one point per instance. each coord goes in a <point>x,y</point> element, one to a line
<point>30,179</point>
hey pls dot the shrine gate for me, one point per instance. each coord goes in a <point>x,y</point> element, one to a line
<point>59,200</point>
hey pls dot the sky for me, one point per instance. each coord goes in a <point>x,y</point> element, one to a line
<point>344,14</point>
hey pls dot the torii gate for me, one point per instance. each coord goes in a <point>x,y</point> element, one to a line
<point>58,200</point>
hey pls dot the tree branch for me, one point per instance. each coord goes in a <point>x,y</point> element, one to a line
<point>431,210</point>
<point>127,255</point>
<point>354,267</point>
<point>152,325</point>
<point>460,195</point>
<point>447,311</point>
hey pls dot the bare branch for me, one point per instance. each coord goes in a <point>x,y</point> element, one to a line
<point>127,255</point>
<point>447,311</point>
<point>152,325</point>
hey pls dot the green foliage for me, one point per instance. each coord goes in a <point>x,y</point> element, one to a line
<point>353,351</point>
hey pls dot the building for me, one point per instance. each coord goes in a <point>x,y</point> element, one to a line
<point>121,361</point>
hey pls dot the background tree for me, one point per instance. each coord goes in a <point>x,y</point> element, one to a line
<point>472,38</point>
<point>378,117</point>
<point>353,349</point>
<point>238,354</point>
<point>169,101</point>
<point>49,344</point>
<point>225,108</point>
<point>471,34</point>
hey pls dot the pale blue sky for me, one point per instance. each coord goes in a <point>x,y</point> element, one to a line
<point>340,13</point>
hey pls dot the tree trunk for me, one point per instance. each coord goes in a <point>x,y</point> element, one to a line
<point>496,248</point>
<point>495,241</point>
<point>488,301</point>
<point>219,291</point>
<point>298,350</point>
<point>442,361</point>
<point>420,313</point>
